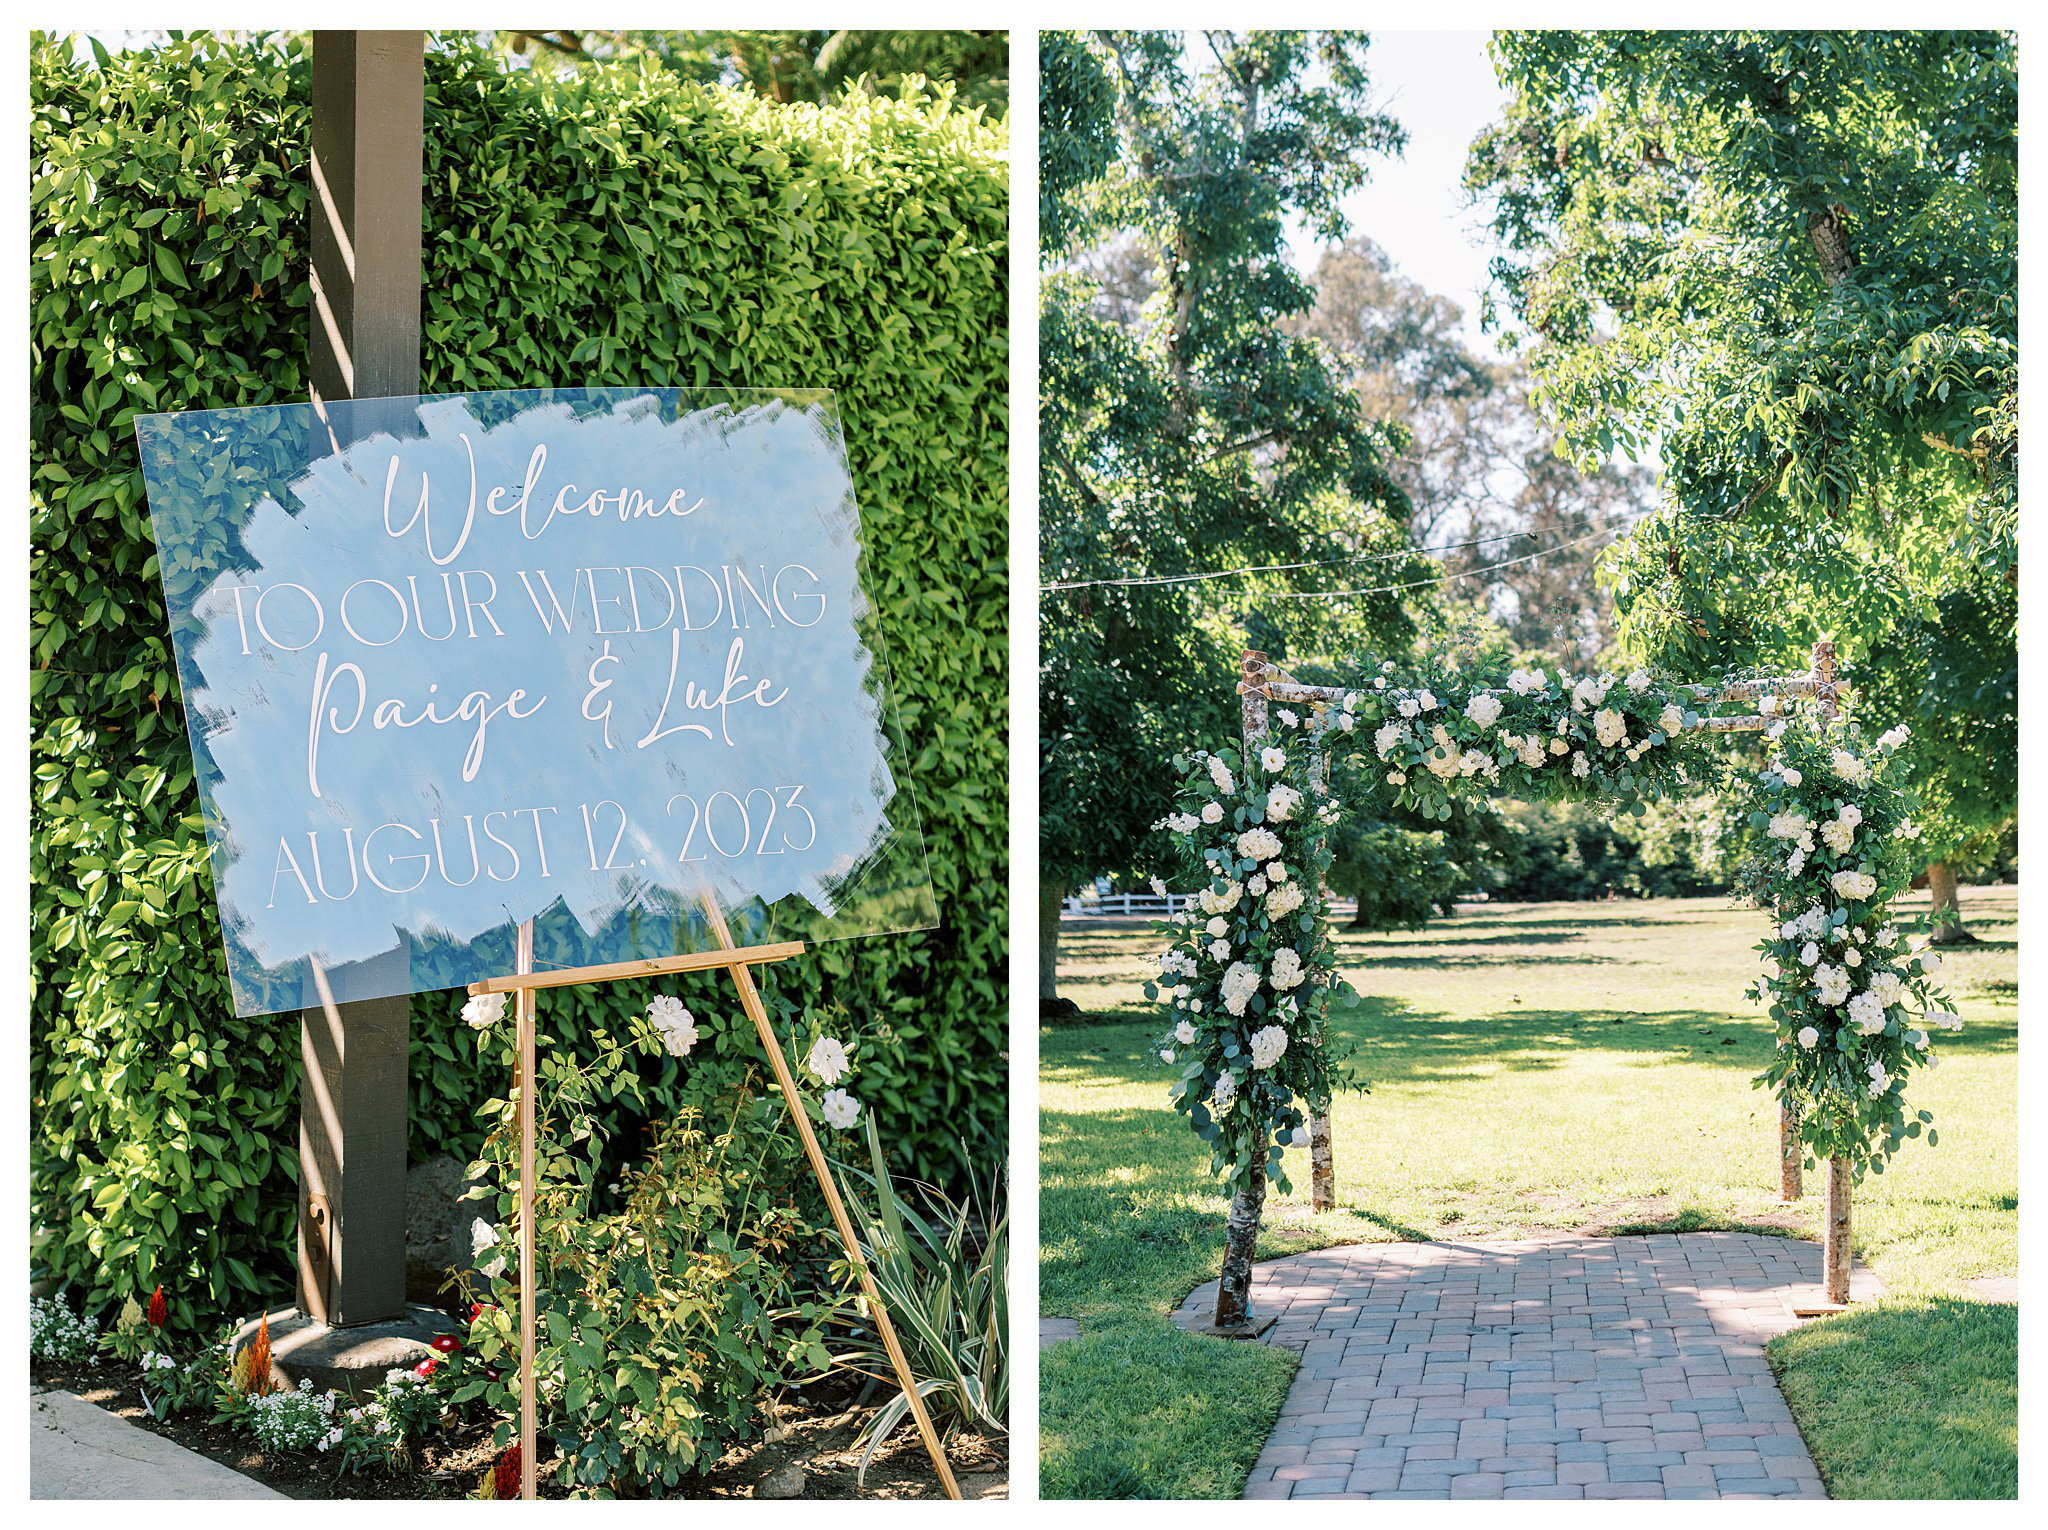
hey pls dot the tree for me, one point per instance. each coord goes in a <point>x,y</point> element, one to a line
<point>1516,523</point>
<point>1789,262</point>
<point>1187,432</point>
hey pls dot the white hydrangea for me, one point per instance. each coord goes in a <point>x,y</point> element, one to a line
<point>1946,1019</point>
<point>1240,982</point>
<point>1388,738</point>
<point>1831,984</point>
<point>1610,727</point>
<point>1580,764</point>
<point>1671,720</point>
<point>1408,706</point>
<point>1223,902</point>
<point>1879,1079</point>
<point>1838,835</point>
<point>1853,885</point>
<point>1442,763</point>
<point>1282,901</point>
<point>1849,767</point>
<point>1428,701</point>
<point>1866,1013</point>
<point>1484,709</point>
<point>1268,1046</point>
<point>1287,971</point>
<point>1889,987</point>
<point>1258,844</point>
<point>1186,823</point>
<point>1792,825</point>
<point>1589,692</point>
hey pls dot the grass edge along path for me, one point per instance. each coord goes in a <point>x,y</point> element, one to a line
<point>1522,999</point>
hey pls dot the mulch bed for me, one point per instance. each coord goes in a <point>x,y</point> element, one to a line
<point>813,1430</point>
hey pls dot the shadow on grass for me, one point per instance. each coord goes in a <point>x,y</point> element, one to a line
<point>1909,1398</point>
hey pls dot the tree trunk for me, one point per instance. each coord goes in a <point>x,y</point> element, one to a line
<point>1790,1152</point>
<point>1946,911</point>
<point>1234,1291</point>
<point>1835,1251</point>
<point>1050,896</point>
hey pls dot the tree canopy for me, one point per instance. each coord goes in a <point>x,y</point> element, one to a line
<point>1190,432</point>
<point>1786,263</point>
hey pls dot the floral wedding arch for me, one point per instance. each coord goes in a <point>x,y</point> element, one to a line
<point>1249,974</point>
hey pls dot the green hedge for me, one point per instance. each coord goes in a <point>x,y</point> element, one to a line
<point>616,228</point>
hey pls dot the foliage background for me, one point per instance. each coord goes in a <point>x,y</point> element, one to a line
<point>616,225</point>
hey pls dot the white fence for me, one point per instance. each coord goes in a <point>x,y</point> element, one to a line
<point>1150,906</point>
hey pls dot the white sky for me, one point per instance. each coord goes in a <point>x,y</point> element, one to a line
<point>1440,87</point>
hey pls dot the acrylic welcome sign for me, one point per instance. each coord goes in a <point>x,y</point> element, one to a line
<point>582,656</point>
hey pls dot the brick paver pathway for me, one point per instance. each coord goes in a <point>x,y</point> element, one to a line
<point>1560,1367</point>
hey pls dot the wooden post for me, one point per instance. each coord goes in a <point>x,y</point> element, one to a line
<point>528,1003</point>
<point>368,90</point>
<point>1836,1251</point>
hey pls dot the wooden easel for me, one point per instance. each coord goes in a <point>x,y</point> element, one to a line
<point>738,960</point>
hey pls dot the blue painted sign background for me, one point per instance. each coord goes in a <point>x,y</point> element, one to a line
<point>585,656</point>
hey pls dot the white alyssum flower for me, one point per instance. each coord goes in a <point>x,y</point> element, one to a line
<point>484,1011</point>
<point>841,1109</point>
<point>1287,971</point>
<point>677,1027</point>
<point>1484,709</point>
<point>1809,1037</point>
<point>1258,844</point>
<point>1272,758</point>
<point>1268,1046</point>
<point>828,1059</point>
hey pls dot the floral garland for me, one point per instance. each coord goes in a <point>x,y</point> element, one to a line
<point>1852,997</point>
<point>1528,732</point>
<point>1249,971</point>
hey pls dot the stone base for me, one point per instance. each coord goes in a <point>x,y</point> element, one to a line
<point>1251,1328</point>
<point>352,1360</point>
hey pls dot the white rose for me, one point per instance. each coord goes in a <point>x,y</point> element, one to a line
<point>484,1011</point>
<point>1212,812</point>
<point>1484,709</point>
<point>1408,706</point>
<point>828,1059</point>
<point>1809,1037</point>
<point>1184,1033</point>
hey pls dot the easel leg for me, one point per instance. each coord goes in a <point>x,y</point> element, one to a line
<point>527,1089</point>
<point>750,1000</point>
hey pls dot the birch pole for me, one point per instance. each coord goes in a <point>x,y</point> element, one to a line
<point>1836,1246</point>
<point>1233,1290</point>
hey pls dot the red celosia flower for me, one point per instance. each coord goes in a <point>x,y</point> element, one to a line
<point>447,1343</point>
<point>157,1308</point>
<point>505,1476</point>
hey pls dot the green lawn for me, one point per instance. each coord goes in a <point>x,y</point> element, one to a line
<point>1563,1066</point>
